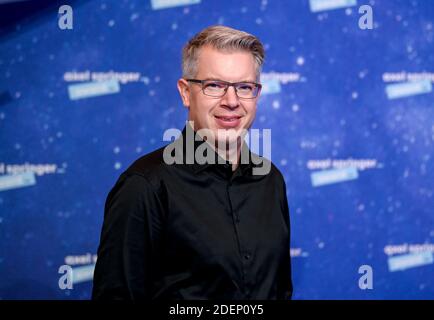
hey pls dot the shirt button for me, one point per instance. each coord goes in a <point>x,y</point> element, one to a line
<point>247,256</point>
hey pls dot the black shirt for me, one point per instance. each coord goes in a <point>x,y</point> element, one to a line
<point>194,231</point>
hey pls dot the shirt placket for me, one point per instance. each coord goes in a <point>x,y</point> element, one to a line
<point>242,248</point>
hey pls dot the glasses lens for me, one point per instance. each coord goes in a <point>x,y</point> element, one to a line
<point>214,88</point>
<point>247,90</point>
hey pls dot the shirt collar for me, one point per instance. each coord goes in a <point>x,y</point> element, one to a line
<point>219,163</point>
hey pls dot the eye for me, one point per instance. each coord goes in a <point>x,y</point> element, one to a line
<point>245,87</point>
<point>215,85</point>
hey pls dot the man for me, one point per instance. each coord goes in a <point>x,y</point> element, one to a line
<point>189,229</point>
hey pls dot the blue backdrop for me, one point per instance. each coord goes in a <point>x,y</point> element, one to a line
<point>351,112</point>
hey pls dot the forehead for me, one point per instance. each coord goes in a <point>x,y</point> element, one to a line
<point>226,65</point>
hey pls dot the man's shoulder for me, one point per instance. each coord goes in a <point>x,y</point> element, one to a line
<point>147,171</point>
<point>148,165</point>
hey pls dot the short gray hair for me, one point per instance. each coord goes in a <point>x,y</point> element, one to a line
<point>221,38</point>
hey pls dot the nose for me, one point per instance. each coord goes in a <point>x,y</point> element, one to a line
<point>230,99</point>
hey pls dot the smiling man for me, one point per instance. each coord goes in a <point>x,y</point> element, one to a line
<point>194,229</point>
<point>222,109</point>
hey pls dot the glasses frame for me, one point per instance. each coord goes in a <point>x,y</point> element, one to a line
<point>228,84</point>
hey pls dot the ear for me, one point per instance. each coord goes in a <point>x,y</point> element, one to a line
<point>184,91</point>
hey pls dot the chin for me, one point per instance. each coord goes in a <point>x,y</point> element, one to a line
<point>228,137</point>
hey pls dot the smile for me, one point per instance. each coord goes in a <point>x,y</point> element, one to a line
<point>228,121</point>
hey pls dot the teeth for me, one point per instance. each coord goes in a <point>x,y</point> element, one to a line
<point>228,119</point>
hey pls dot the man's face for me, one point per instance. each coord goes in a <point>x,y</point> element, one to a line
<point>228,113</point>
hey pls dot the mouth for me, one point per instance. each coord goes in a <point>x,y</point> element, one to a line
<point>228,121</point>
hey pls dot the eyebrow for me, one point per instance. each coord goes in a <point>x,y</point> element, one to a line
<point>217,79</point>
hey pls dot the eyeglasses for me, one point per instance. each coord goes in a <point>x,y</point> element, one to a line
<point>218,88</point>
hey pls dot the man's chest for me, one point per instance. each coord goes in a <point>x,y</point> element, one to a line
<point>218,220</point>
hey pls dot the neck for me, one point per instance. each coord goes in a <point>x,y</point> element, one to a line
<point>229,151</point>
